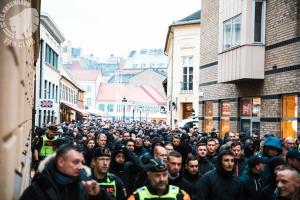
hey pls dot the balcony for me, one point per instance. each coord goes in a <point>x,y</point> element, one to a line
<point>244,62</point>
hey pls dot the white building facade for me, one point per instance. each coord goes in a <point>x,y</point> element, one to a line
<point>48,73</point>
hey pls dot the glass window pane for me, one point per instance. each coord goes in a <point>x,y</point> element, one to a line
<point>258,22</point>
<point>185,70</point>
<point>190,61</point>
<point>236,37</point>
<point>289,128</point>
<point>225,126</point>
<point>191,70</point>
<point>246,107</point>
<point>225,108</point>
<point>256,107</point>
<point>208,125</point>
<point>208,108</point>
<point>227,35</point>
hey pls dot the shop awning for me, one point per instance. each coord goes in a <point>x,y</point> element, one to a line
<point>75,108</point>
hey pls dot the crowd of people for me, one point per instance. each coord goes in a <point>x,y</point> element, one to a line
<point>99,159</point>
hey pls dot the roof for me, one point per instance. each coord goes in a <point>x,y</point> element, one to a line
<point>75,65</point>
<point>124,78</point>
<point>64,73</point>
<point>53,29</point>
<point>133,94</point>
<point>84,74</point>
<point>194,16</point>
<point>189,20</point>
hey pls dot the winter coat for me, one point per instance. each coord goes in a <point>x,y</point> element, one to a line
<point>219,184</point>
<point>205,165</point>
<point>46,187</point>
<point>252,185</point>
<point>240,165</point>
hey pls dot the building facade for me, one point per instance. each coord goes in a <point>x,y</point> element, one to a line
<point>249,67</point>
<point>71,99</point>
<point>17,80</point>
<point>48,72</point>
<point>183,50</point>
<point>118,102</point>
<point>146,58</point>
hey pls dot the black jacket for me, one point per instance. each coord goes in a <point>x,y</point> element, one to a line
<point>193,183</point>
<point>240,165</point>
<point>220,185</point>
<point>205,165</point>
<point>252,184</point>
<point>46,187</point>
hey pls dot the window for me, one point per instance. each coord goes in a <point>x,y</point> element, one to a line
<point>101,107</point>
<point>51,57</point>
<point>187,80</point>
<point>232,32</point>
<point>89,88</point>
<point>152,65</point>
<point>89,101</point>
<point>132,53</point>
<point>289,116</point>
<point>110,107</point>
<point>225,117</point>
<point>250,107</point>
<point>56,95</point>
<point>208,116</point>
<point>45,89</point>
<point>143,65</point>
<point>143,51</point>
<point>259,20</point>
<point>49,90</point>
<point>53,91</point>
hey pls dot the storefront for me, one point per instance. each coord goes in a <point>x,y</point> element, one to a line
<point>289,116</point>
<point>208,116</point>
<point>225,117</point>
<point>250,115</point>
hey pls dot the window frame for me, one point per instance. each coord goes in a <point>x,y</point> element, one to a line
<point>189,67</point>
<point>263,21</point>
<point>233,44</point>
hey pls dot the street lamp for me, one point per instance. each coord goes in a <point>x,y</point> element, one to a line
<point>124,100</point>
<point>140,113</point>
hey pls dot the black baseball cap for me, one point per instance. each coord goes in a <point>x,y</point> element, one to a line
<point>100,151</point>
<point>254,160</point>
<point>157,165</point>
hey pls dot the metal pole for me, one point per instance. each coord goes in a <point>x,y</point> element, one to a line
<point>133,114</point>
<point>124,112</point>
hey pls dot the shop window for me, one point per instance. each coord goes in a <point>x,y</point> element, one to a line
<point>208,116</point>
<point>225,117</point>
<point>101,107</point>
<point>250,115</point>
<point>289,116</point>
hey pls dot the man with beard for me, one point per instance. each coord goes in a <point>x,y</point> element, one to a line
<point>62,177</point>
<point>251,179</point>
<point>111,183</point>
<point>221,183</point>
<point>191,175</point>
<point>158,186</point>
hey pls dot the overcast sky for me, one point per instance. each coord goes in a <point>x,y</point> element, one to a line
<point>105,27</point>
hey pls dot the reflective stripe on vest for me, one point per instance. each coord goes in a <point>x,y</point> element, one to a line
<point>109,185</point>
<point>144,193</point>
<point>48,147</point>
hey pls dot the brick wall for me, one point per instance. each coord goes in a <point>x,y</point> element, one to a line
<point>209,31</point>
<point>283,27</point>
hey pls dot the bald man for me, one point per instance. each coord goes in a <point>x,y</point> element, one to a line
<point>160,152</point>
<point>288,183</point>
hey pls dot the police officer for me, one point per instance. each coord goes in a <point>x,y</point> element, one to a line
<point>111,183</point>
<point>158,187</point>
<point>49,144</point>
